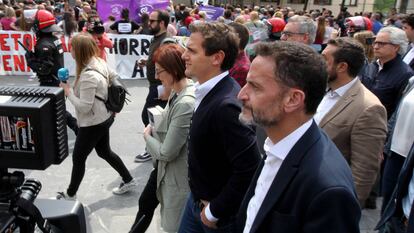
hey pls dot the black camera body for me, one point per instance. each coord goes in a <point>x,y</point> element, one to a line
<point>33,136</point>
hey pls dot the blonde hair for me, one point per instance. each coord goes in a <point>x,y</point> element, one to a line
<point>368,49</point>
<point>9,12</point>
<point>278,14</point>
<point>202,14</point>
<point>254,16</point>
<point>240,19</point>
<point>84,48</point>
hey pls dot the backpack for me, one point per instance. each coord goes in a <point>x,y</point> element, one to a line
<point>116,93</point>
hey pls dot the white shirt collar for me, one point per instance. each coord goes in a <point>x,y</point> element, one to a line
<point>282,148</point>
<point>342,90</point>
<point>201,90</point>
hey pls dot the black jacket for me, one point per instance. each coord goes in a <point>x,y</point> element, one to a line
<point>223,154</point>
<point>388,83</point>
<point>48,59</point>
<point>312,192</point>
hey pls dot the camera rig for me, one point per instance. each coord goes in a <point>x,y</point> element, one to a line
<point>33,136</point>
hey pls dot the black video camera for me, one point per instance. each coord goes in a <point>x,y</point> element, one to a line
<point>33,136</point>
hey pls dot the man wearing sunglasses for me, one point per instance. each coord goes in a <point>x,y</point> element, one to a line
<point>158,23</point>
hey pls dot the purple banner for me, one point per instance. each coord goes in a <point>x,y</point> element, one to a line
<point>146,6</point>
<point>111,7</point>
<point>212,12</point>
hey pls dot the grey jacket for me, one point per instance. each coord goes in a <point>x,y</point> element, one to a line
<point>169,148</point>
<point>89,110</point>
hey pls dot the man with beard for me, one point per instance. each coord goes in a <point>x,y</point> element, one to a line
<point>157,95</point>
<point>148,202</point>
<point>351,115</point>
<point>303,184</point>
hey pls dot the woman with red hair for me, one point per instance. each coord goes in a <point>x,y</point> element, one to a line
<point>167,143</point>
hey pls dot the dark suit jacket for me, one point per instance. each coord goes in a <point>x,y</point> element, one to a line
<point>313,191</point>
<point>223,155</point>
<point>394,207</point>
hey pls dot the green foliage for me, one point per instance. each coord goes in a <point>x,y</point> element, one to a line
<point>383,5</point>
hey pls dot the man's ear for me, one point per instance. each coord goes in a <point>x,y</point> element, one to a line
<point>342,67</point>
<point>218,58</point>
<point>293,100</point>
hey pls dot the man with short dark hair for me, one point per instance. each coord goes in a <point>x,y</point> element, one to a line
<point>408,27</point>
<point>124,25</point>
<point>222,152</point>
<point>303,184</point>
<point>157,95</point>
<point>242,64</point>
<point>351,115</point>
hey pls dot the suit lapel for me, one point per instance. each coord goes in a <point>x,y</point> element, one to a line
<point>342,103</point>
<point>285,174</point>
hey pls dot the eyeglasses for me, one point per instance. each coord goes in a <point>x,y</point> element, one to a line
<point>158,72</point>
<point>154,20</point>
<point>290,34</point>
<point>381,43</point>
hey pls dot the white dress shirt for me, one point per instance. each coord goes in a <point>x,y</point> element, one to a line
<point>276,154</point>
<point>330,99</point>
<point>201,90</point>
<point>403,135</point>
<point>409,56</point>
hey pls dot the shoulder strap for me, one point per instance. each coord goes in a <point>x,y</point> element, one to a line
<point>91,69</point>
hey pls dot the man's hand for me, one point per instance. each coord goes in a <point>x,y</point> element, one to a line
<point>204,217</point>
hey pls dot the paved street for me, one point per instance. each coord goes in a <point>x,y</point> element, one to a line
<point>106,212</point>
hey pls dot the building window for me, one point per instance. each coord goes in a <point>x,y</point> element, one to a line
<point>296,1</point>
<point>350,2</point>
<point>322,2</point>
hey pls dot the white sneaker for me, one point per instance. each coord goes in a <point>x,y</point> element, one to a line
<point>65,196</point>
<point>125,187</point>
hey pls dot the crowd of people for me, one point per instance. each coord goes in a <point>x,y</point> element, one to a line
<point>295,121</point>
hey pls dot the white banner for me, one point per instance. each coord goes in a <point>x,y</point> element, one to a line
<point>123,57</point>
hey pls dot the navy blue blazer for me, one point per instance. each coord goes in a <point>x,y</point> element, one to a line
<point>394,207</point>
<point>313,191</point>
<point>222,152</point>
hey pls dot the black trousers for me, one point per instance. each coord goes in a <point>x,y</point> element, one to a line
<point>151,101</point>
<point>392,168</point>
<point>88,138</point>
<point>147,204</point>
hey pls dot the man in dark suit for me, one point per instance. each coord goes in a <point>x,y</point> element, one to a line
<point>303,184</point>
<point>408,27</point>
<point>222,152</point>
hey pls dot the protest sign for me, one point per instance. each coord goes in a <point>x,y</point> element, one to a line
<point>123,57</point>
<point>212,12</point>
<point>147,6</point>
<point>111,7</point>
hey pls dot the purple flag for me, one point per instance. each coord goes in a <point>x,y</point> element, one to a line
<point>111,7</point>
<point>146,6</point>
<point>212,12</point>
